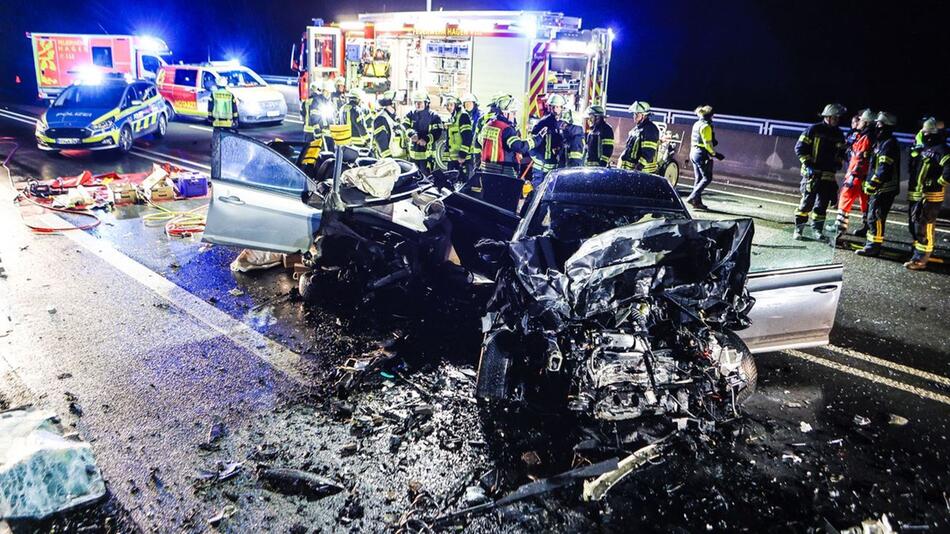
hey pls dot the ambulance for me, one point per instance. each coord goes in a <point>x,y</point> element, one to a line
<point>62,59</point>
<point>531,55</point>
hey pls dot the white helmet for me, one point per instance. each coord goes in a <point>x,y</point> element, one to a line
<point>506,104</point>
<point>557,100</point>
<point>469,97</point>
<point>420,96</point>
<point>639,107</point>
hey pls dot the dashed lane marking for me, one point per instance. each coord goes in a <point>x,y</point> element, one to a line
<point>877,379</point>
<point>202,128</point>
<point>889,364</point>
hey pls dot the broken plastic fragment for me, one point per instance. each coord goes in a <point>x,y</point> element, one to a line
<point>596,489</point>
<point>860,420</point>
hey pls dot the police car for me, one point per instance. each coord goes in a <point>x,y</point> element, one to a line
<point>108,113</point>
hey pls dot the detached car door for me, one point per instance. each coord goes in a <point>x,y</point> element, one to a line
<point>258,198</point>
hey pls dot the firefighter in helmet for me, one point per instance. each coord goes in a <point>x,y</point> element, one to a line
<point>640,152</point>
<point>883,182</point>
<point>222,106</point>
<point>425,128</point>
<point>600,137</point>
<point>572,138</point>
<point>354,114</point>
<point>460,137</point>
<point>502,147</point>
<point>389,135</point>
<point>930,175</point>
<point>546,156</point>
<point>820,148</point>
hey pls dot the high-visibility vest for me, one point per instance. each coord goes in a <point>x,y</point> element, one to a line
<point>455,135</point>
<point>397,136</point>
<point>222,109</point>
<point>493,146</point>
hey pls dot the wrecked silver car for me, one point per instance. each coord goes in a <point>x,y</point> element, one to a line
<point>607,292</point>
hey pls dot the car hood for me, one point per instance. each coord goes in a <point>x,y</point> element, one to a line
<point>701,266</point>
<point>256,94</point>
<point>73,117</point>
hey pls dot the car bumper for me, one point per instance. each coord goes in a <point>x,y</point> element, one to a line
<point>246,116</point>
<point>106,141</point>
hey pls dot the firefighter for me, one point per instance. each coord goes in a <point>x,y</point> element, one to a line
<point>470,105</point>
<point>545,157</point>
<point>600,138</point>
<point>425,128</point>
<point>502,148</point>
<point>389,136</point>
<point>859,145</point>
<point>222,107</point>
<point>572,152</point>
<point>339,94</point>
<point>354,115</point>
<point>639,154</point>
<point>929,177</point>
<point>883,182</point>
<point>460,134</point>
<point>317,111</point>
<point>702,151</point>
<point>820,148</point>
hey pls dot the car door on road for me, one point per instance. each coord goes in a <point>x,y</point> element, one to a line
<point>257,198</point>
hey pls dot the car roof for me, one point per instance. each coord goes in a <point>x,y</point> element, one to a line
<point>609,186</point>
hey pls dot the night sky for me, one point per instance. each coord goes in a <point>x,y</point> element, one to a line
<point>765,58</point>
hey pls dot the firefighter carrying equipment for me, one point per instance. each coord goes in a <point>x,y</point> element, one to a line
<point>640,152</point>
<point>223,108</point>
<point>833,110</point>
<point>354,115</point>
<point>600,139</point>
<point>882,187</point>
<point>501,146</point>
<point>572,153</point>
<point>389,136</point>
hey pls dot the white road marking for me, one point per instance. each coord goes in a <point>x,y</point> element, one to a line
<point>877,379</point>
<point>278,356</point>
<point>202,128</point>
<point>295,121</point>
<point>22,115</point>
<point>889,364</point>
<point>4,114</point>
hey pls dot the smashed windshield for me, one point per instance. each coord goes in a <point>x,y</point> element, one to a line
<point>241,78</point>
<point>576,222</point>
<point>90,96</point>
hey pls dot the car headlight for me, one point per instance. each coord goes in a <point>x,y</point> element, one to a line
<point>102,127</point>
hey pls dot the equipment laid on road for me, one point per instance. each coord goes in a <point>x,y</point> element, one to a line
<point>62,59</point>
<point>534,55</point>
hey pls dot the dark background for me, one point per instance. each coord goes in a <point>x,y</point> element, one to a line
<point>765,58</point>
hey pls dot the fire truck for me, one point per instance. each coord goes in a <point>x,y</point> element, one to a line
<point>61,59</point>
<point>531,55</point>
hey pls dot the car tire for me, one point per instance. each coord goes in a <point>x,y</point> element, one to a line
<point>126,139</point>
<point>161,128</point>
<point>306,286</point>
<point>672,173</point>
<point>171,111</point>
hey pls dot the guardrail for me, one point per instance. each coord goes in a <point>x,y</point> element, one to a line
<point>283,80</point>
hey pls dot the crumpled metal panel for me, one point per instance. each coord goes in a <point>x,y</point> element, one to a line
<point>699,265</point>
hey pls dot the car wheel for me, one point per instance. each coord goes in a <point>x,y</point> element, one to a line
<point>672,173</point>
<point>440,155</point>
<point>162,127</point>
<point>171,110</point>
<point>125,139</point>
<point>747,365</point>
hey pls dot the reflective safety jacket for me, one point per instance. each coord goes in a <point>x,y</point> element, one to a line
<point>376,69</point>
<point>703,140</point>
<point>820,148</point>
<point>859,150</point>
<point>501,147</point>
<point>460,135</point>
<point>355,116</point>
<point>641,149</point>
<point>548,153</point>
<point>428,126</point>
<point>572,153</point>
<point>314,109</point>
<point>931,174</point>
<point>480,124</point>
<point>389,137</point>
<point>600,145</point>
<point>887,164</point>
<point>223,108</point>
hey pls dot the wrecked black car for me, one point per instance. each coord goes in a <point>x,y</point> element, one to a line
<point>612,298</point>
<point>606,291</point>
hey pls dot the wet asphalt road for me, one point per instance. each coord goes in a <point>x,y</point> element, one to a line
<point>157,349</point>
